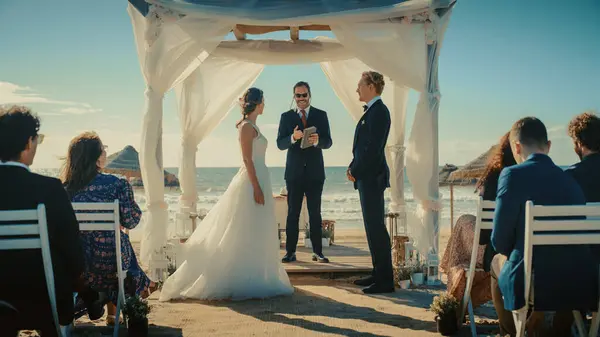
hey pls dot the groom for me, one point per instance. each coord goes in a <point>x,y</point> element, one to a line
<point>304,169</point>
<point>371,176</point>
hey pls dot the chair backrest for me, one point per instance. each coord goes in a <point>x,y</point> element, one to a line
<point>27,229</point>
<point>485,214</point>
<point>98,216</point>
<point>558,225</point>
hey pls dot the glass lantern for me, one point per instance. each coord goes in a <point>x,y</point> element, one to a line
<point>185,224</point>
<point>159,265</point>
<point>433,269</point>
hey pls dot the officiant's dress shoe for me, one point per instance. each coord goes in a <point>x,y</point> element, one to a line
<point>365,281</point>
<point>289,257</point>
<point>320,258</point>
<point>378,289</point>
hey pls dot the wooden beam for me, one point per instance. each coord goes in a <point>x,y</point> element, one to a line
<point>294,33</point>
<point>239,34</point>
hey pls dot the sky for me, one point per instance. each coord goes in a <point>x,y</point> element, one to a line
<point>74,62</point>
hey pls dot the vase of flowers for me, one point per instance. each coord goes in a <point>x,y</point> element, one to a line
<point>445,307</point>
<point>136,309</point>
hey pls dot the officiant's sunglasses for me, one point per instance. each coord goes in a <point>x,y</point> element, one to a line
<point>302,95</point>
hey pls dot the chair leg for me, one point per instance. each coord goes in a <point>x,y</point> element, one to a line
<point>579,323</point>
<point>472,319</point>
<point>595,325</point>
<point>520,318</point>
<point>117,318</point>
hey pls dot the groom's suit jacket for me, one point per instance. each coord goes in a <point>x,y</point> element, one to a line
<point>370,138</point>
<point>304,162</point>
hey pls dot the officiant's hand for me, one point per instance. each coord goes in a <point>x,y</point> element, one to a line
<point>259,197</point>
<point>298,134</point>
<point>313,139</point>
<point>349,175</point>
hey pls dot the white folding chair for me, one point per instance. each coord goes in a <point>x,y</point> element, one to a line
<point>536,234</point>
<point>31,223</point>
<point>105,217</point>
<point>485,218</point>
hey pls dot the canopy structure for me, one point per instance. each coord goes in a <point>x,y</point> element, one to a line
<point>474,169</point>
<point>127,163</point>
<point>181,46</point>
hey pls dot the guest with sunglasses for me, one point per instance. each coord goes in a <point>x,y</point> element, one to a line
<point>304,169</point>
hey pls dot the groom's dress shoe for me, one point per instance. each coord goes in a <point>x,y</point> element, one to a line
<point>378,289</point>
<point>365,281</point>
<point>289,257</point>
<point>320,258</point>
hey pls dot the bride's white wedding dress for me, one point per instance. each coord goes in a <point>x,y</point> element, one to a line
<point>234,252</point>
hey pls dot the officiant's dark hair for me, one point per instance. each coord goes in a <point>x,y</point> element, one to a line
<point>302,84</point>
<point>251,99</point>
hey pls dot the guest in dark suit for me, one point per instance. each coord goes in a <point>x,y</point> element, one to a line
<point>23,284</point>
<point>584,129</point>
<point>538,179</point>
<point>304,169</point>
<point>371,176</point>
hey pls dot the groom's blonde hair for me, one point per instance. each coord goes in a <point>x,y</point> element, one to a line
<point>374,78</point>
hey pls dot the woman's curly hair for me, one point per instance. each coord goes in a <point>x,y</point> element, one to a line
<point>501,157</point>
<point>585,129</point>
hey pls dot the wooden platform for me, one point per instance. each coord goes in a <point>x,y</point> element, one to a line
<point>345,257</point>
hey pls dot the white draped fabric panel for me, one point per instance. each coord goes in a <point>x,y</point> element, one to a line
<point>422,161</point>
<point>399,50</point>
<point>168,47</point>
<point>203,104</point>
<point>395,149</point>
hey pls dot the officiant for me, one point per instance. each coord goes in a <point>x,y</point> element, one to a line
<point>304,133</point>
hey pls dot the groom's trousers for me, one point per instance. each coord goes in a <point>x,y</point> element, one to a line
<point>297,189</point>
<point>373,209</point>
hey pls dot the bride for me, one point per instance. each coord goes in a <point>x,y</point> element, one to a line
<point>234,252</point>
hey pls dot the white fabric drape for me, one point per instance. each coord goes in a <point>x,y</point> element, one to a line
<point>203,104</point>
<point>395,149</point>
<point>343,76</point>
<point>395,49</point>
<point>422,160</point>
<point>168,48</point>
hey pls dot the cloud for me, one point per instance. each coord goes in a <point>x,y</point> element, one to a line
<point>80,110</point>
<point>557,132</point>
<point>11,93</point>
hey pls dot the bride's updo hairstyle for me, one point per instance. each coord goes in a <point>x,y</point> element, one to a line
<point>251,99</point>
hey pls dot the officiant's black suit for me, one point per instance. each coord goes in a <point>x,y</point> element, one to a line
<point>369,168</point>
<point>304,173</point>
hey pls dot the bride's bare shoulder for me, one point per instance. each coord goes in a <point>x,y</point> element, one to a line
<point>246,130</point>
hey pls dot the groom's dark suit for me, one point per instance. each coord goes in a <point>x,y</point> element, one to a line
<point>304,173</point>
<point>372,175</point>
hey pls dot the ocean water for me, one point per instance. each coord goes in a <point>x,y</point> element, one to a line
<point>340,201</point>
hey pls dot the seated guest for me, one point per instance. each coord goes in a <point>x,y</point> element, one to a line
<point>538,179</point>
<point>84,183</point>
<point>23,284</point>
<point>584,129</point>
<point>457,255</point>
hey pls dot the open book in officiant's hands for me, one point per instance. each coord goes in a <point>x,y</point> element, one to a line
<point>305,138</point>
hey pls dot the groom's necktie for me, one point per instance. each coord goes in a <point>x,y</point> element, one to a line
<point>303,112</point>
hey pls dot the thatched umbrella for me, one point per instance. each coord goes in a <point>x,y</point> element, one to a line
<point>467,175</point>
<point>127,163</point>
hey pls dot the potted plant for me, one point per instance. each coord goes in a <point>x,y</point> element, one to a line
<point>445,307</point>
<point>418,276</point>
<point>404,272</point>
<point>136,309</point>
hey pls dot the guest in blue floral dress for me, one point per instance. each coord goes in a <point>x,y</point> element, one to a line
<point>84,183</point>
